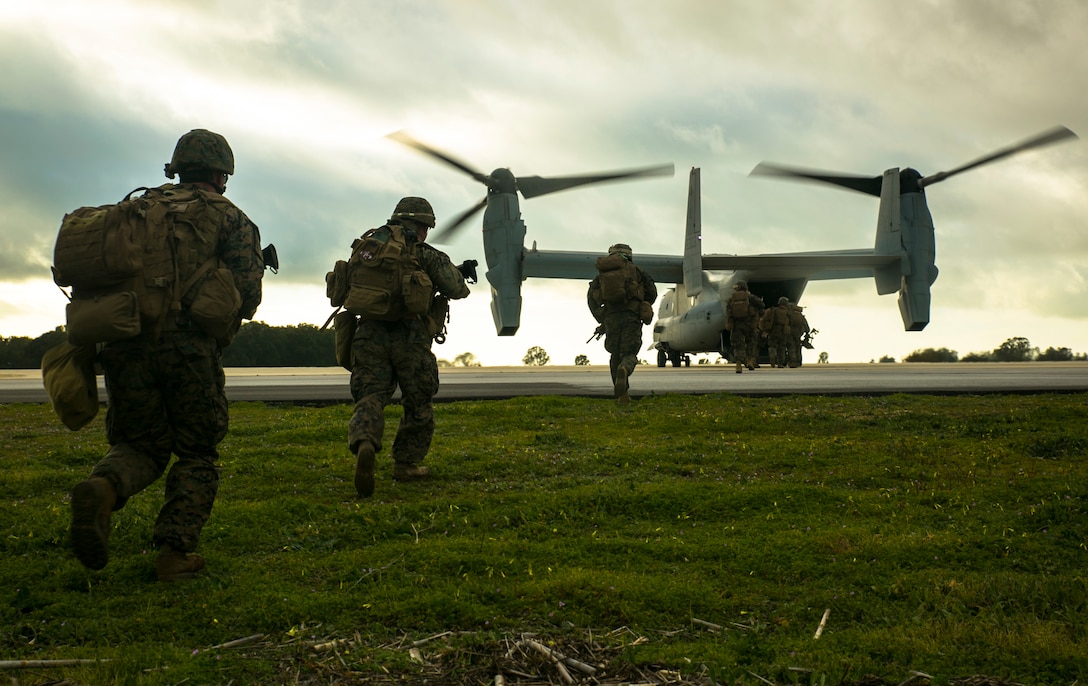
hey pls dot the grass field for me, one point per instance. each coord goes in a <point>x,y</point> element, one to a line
<point>679,539</point>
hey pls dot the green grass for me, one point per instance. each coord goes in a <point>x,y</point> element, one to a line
<point>947,536</point>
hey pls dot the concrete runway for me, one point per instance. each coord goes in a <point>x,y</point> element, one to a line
<point>330,385</point>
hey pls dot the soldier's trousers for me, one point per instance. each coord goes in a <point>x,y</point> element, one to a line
<point>739,337</point>
<point>622,338</point>
<point>165,397</point>
<point>777,347</point>
<point>387,355</point>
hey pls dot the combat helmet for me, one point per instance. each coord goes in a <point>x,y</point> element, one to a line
<point>416,209</point>
<point>621,248</point>
<point>783,300</point>
<point>740,286</point>
<point>199,150</point>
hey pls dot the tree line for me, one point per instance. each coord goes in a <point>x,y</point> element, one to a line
<point>1017,349</point>
<point>256,345</point>
<point>305,345</point>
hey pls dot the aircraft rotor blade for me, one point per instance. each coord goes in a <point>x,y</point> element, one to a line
<point>404,139</point>
<point>869,185</point>
<point>447,233</point>
<point>1054,135</point>
<point>534,186</point>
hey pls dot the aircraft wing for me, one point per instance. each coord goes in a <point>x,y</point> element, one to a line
<point>814,266</point>
<point>840,264</point>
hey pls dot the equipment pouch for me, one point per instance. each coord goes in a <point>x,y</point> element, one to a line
<point>645,312</point>
<point>416,288</point>
<point>434,323</point>
<point>102,319</point>
<point>336,283</point>
<point>215,307</point>
<point>343,327</point>
<point>68,374</point>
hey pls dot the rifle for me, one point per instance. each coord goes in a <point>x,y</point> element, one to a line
<point>271,259</point>
<point>597,333</point>
<point>806,340</point>
<point>468,270</point>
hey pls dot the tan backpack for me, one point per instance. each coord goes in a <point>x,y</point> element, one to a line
<point>383,279</point>
<point>121,262</point>
<point>618,280</point>
<point>738,305</point>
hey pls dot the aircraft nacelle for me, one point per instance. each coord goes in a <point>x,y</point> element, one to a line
<point>504,238</point>
<point>905,228</point>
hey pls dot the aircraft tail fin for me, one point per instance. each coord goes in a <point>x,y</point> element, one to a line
<point>693,237</point>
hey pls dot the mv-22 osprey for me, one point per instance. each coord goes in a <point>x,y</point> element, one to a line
<point>691,316</point>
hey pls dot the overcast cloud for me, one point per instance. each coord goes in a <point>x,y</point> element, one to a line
<point>96,94</point>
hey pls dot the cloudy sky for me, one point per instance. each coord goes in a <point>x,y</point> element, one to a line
<point>94,96</point>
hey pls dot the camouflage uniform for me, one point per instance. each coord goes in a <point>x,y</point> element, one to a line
<point>622,324</point>
<point>753,341</point>
<point>798,328</point>
<point>166,395</point>
<point>391,354</point>
<point>742,328</point>
<point>775,324</point>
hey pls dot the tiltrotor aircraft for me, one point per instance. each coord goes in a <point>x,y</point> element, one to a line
<point>691,316</point>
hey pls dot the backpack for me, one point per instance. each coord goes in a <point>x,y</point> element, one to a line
<point>797,318</point>
<point>738,305</point>
<point>121,262</point>
<point>618,280</point>
<point>383,279</point>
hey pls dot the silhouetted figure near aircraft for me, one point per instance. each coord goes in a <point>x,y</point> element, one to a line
<point>775,326</point>
<point>753,342</point>
<point>393,348</point>
<point>742,311</point>
<point>799,331</point>
<point>621,299</point>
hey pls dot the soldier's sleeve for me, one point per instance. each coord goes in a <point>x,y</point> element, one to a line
<point>240,250</point>
<point>444,275</point>
<point>593,300</point>
<point>649,288</point>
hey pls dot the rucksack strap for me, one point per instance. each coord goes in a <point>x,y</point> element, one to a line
<point>208,265</point>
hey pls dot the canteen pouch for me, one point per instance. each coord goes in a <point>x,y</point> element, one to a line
<point>645,312</point>
<point>343,327</point>
<point>416,287</point>
<point>103,319</point>
<point>336,283</point>
<point>216,305</point>
<point>68,375</point>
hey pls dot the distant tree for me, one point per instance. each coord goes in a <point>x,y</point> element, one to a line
<point>978,357</point>
<point>823,359</point>
<point>1015,350</point>
<point>535,357</point>
<point>22,352</point>
<point>260,345</point>
<point>1056,355</point>
<point>581,361</point>
<point>933,355</point>
<point>443,363</point>
<point>466,360</point>
<point>887,359</point>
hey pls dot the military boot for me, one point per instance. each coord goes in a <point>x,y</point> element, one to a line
<point>740,367</point>
<point>620,387</point>
<point>364,470</point>
<point>92,503</point>
<point>410,472</point>
<point>175,565</point>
